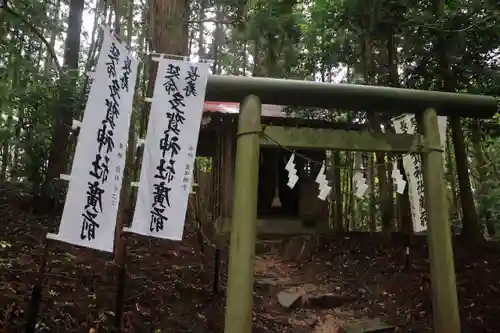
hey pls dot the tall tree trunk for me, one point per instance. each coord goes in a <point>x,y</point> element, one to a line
<point>10,121</point>
<point>117,6</point>
<point>218,39</point>
<point>234,50</point>
<point>58,156</point>
<point>201,29</point>
<point>170,26</point>
<point>356,223</point>
<point>4,24</point>
<point>18,81</point>
<point>130,21</point>
<point>337,183</point>
<point>471,227</point>
<point>110,18</point>
<point>405,217</point>
<point>145,88</point>
<point>483,173</point>
<point>386,202</point>
<point>454,200</point>
<point>166,33</point>
<point>244,56</point>
<point>5,157</point>
<point>348,174</point>
<point>94,42</point>
<point>256,66</point>
<point>372,208</point>
<point>49,62</point>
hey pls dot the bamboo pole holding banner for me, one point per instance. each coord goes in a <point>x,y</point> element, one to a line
<point>244,218</point>
<point>123,218</point>
<point>37,291</point>
<point>443,282</point>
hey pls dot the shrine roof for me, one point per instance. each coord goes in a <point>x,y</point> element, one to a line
<point>268,110</point>
<point>275,115</point>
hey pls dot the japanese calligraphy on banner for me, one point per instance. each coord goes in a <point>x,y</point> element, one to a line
<point>169,149</point>
<point>89,215</point>
<point>413,168</point>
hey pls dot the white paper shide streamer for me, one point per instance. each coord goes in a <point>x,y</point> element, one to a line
<point>413,169</point>
<point>324,188</point>
<point>360,184</point>
<point>89,215</point>
<point>398,180</point>
<point>169,149</point>
<point>293,178</point>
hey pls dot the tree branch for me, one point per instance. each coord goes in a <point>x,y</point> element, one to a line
<point>7,9</point>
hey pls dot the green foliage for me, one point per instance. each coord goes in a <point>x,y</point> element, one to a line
<point>204,164</point>
<point>382,42</point>
<point>30,88</point>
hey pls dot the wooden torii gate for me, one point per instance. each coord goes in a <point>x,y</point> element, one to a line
<point>426,105</point>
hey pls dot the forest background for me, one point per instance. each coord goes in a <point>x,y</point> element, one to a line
<point>47,46</point>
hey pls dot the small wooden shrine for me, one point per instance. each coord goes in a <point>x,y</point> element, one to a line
<point>281,210</point>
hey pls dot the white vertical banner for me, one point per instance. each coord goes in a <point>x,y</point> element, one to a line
<point>413,169</point>
<point>170,149</point>
<point>89,215</point>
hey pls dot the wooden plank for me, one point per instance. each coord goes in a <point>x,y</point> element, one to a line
<point>333,139</point>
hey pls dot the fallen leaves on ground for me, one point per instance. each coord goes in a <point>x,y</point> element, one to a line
<point>168,284</point>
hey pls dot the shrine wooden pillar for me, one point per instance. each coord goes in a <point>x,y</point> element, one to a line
<point>443,282</point>
<point>244,219</point>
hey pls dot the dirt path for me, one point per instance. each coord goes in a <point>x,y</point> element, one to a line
<point>277,278</point>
